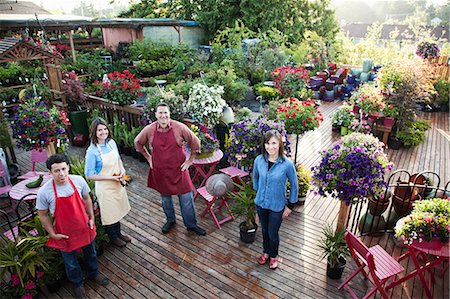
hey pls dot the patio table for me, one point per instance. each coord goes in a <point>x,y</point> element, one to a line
<point>204,167</point>
<point>414,250</point>
<point>19,190</point>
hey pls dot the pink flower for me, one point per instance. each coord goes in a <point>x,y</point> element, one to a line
<point>30,285</point>
<point>39,274</point>
<point>15,281</point>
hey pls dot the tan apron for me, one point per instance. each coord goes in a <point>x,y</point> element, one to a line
<point>112,197</point>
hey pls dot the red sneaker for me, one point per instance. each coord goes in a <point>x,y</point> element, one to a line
<point>263,259</point>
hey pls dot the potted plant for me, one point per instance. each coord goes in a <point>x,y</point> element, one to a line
<point>208,140</point>
<point>290,81</point>
<point>304,176</point>
<point>156,95</point>
<point>428,222</point>
<point>427,50</point>
<point>390,113</point>
<point>342,118</point>
<point>245,140</point>
<point>37,126</point>
<point>353,169</point>
<point>24,261</point>
<point>121,88</point>
<point>244,206</point>
<point>369,98</point>
<point>74,89</point>
<point>299,116</point>
<point>335,250</point>
<point>205,104</point>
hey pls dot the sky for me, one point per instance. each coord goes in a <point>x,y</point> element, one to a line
<point>68,5</point>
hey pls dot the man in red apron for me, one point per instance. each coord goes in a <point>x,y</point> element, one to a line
<point>67,198</point>
<point>168,173</point>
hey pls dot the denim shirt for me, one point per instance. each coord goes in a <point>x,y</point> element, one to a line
<point>94,161</point>
<point>270,185</point>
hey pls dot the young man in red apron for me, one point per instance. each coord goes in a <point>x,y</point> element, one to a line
<point>67,198</point>
<point>169,170</point>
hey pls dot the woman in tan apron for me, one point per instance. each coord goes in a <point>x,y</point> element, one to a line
<point>104,166</point>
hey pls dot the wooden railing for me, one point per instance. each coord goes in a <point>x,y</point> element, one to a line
<point>129,114</point>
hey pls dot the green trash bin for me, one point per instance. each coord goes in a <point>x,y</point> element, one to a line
<point>78,119</point>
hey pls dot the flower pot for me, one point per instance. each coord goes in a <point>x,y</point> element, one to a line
<point>344,130</point>
<point>247,235</point>
<point>388,121</point>
<point>434,244</point>
<point>356,109</point>
<point>403,199</point>
<point>336,272</point>
<point>377,207</point>
<point>78,120</point>
<point>394,143</point>
<point>335,128</point>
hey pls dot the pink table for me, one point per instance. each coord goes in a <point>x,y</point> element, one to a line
<point>414,250</point>
<point>19,190</point>
<point>204,167</point>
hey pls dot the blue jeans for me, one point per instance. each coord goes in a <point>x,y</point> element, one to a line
<point>270,225</point>
<point>113,231</point>
<point>73,268</point>
<point>187,209</point>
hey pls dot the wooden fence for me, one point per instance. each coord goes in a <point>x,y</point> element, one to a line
<point>129,114</point>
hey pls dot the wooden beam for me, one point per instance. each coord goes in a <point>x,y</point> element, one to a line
<point>72,47</point>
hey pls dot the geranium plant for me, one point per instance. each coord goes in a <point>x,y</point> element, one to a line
<point>429,219</point>
<point>205,104</point>
<point>369,98</point>
<point>246,137</point>
<point>354,168</point>
<point>390,110</point>
<point>360,126</point>
<point>35,125</point>
<point>427,50</point>
<point>343,116</point>
<point>75,91</point>
<point>299,116</point>
<point>208,141</point>
<point>290,81</point>
<point>121,88</point>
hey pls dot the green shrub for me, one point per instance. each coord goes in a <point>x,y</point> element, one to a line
<point>442,87</point>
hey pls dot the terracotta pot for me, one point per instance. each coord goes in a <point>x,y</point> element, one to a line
<point>378,207</point>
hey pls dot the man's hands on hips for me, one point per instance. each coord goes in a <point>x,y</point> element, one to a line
<point>185,165</point>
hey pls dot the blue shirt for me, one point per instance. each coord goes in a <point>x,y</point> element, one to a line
<point>94,162</point>
<point>270,185</point>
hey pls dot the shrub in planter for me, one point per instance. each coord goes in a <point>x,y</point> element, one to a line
<point>299,116</point>
<point>343,116</point>
<point>290,81</point>
<point>414,133</point>
<point>335,250</point>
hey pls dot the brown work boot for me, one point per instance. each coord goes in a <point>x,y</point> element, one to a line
<point>100,279</point>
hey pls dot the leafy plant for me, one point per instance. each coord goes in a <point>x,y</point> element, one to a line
<point>122,88</point>
<point>414,133</point>
<point>290,81</point>
<point>206,104</point>
<point>244,203</point>
<point>156,95</point>
<point>268,93</point>
<point>333,245</point>
<point>343,116</point>
<point>304,176</point>
<point>427,50</point>
<point>442,87</point>
<point>75,91</point>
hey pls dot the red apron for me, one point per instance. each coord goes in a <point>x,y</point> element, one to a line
<point>166,176</point>
<point>70,219</point>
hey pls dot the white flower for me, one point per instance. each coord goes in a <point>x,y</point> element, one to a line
<point>206,103</point>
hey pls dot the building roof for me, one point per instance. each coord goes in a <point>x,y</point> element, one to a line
<point>10,7</point>
<point>14,49</point>
<point>360,31</point>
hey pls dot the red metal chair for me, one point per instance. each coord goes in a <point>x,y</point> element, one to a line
<point>5,186</point>
<point>36,157</point>
<point>381,266</point>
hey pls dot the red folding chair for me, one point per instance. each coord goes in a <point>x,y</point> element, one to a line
<point>381,266</point>
<point>36,157</point>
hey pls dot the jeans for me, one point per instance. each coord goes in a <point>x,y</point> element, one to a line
<point>73,268</point>
<point>270,225</point>
<point>113,231</point>
<point>187,209</point>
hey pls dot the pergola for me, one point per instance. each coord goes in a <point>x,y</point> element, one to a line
<point>14,49</point>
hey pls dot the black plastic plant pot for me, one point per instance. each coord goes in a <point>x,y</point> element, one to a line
<point>53,286</point>
<point>336,272</point>
<point>394,143</point>
<point>247,235</point>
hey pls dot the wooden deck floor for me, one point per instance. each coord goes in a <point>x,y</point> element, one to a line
<point>183,265</point>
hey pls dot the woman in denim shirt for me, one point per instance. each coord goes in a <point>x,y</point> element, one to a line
<point>271,171</point>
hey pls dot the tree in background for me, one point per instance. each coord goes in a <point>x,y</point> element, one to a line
<point>292,17</point>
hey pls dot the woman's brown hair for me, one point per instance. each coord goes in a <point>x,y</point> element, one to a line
<point>93,129</point>
<point>277,135</point>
